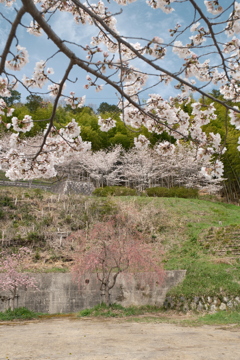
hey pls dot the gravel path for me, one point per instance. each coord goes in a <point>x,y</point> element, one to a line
<point>65,339</point>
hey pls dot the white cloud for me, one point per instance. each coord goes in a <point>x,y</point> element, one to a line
<point>67,29</point>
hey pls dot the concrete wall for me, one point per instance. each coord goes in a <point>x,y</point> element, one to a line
<point>59,294</point>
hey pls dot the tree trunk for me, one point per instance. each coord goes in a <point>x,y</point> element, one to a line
<point>106,294</point>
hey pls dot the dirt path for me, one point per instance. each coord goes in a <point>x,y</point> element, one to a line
<point>65,339</point>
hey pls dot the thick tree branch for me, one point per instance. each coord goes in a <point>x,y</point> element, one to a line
<point>51,119</point>
<point>11,36</point>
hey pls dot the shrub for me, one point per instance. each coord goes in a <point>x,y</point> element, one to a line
<point>2,215</point>
<point>115,191</point>
<point>19,313</point>
<point>6,201</point>
<point>158,192</point>
<point>180,192</point>
<point>35,237</point>
<point>38,193</point>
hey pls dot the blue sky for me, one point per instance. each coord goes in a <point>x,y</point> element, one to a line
<point>138,20</point>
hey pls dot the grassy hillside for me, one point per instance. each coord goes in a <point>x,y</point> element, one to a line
<point>198,235</point>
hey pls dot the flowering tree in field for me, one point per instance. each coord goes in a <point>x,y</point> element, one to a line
<point>143,167</point>
<point>204,52</point>
<point>102,166</point>
<point>113,247</point>
<point>11,276</point>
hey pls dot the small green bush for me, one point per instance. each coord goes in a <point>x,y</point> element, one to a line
<point>2,215</point>
<point>19,313</point>
<point>38,193</point>
<point>114,191</point>
<point>34,237</point>
<point>179,192</point>
<point>157,192</point>
<point>7,201</point>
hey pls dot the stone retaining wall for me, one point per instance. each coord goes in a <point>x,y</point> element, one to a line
<point>73,187</point>
<point>59,294</point>
<point>201,303</point>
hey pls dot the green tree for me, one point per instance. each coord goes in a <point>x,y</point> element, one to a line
<point>107,108</point>
<point>13,99</point>
<point>33,102</point>
<point>229,135</point>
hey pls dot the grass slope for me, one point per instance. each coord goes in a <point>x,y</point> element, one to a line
<point>179,226</point>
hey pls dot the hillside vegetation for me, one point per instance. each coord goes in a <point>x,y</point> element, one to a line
<point>200,236</point>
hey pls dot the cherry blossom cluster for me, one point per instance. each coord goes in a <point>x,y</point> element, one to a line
<point>133,80</point>
<point>141,142</point>
<point>164,5</point>
<point>235,118</point>
<point>92,83</point>
<point>12,278</point>
<point>201,117</point>
<point>106,124</point>
<point>23,125</point>
<point>4,87</point>
<point>165,148</point>
<point>40,77</point>
<point>231,91</point>
<point>213,7</point>
<point>214,171</point>
<point>8,2</point>
<point>19,60</point>
<point>132,116</point>
<point>108,54</point>
<point>75,102</point>
<point>186,90</point>
<point>54,89</point>
<point>5,110</point>
<point>65,142</point>
<point>233,26</point>
<point>34,29</point>
<point>60,145</point>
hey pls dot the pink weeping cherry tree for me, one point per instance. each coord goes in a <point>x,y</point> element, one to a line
<point>12,279</point>
<point>113,247</point>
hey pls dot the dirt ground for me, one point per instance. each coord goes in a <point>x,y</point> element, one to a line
<point>93,339</point>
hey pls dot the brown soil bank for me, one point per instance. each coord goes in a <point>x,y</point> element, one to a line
<point>65,339</point>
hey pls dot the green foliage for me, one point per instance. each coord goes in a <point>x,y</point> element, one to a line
<point>117,310</point>
<point>6,201</point>
<point>220,318</point>
<point>105,107</point>
<point>208,279</point>
<point>33,102</point>
<point>122,139</point>
<point>100,208</point>
<point>14,98</point>
<point>38,193</point>
<point>35,237</point>
<point>229,136</point>
<point>156,314</point>
<point>114,191</point>
<point>18,314</point>
<point>40,113</point>
<point>179,192</point>
<point>1,214</point>
<point>88,121</point>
